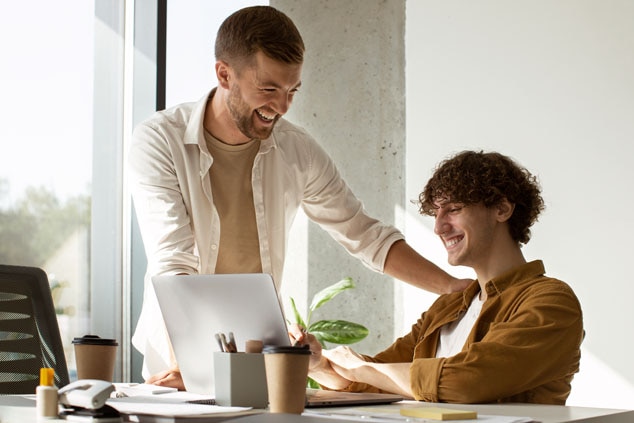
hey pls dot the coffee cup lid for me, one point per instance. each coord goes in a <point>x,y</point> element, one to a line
<point>286,349</point>
<point>94,340</point>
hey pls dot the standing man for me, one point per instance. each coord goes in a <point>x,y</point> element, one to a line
<point>514,335</point>
<point>217,183</point>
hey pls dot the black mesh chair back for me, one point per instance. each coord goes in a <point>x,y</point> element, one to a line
<point>29,333</point>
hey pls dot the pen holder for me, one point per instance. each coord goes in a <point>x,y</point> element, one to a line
<point>240,380</point>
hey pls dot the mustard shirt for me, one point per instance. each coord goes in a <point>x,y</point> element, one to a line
<point>524,347</point>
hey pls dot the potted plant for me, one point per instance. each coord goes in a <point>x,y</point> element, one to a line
<point>333,331</point>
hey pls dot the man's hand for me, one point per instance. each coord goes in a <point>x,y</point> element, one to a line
<point>389,377</point>
<point>457,285</point>
<point>345,361</point>
<point>318,367</point>
<point>299,336</point>
<point>171,378</point>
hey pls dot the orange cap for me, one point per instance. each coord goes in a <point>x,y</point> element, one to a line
<point>47,376</point>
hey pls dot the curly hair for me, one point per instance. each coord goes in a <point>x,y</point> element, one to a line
<point>472,177</point>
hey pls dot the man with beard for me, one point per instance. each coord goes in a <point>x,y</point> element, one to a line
<point>216,184</point>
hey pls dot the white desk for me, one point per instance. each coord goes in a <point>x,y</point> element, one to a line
<point>19,409</point>
<point>538,412</point>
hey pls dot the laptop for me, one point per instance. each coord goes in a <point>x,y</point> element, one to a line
<point>196,307</point>
<point>322,398</point>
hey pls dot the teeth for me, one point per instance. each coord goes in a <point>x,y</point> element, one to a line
<point>452,242</point>
<point>263,116</point>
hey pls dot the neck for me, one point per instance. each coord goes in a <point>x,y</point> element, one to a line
<point>218,120</point>
<point>506,256</point>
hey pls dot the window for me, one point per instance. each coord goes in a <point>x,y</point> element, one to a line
<point>53,196</point>
<point>46,82</point>
<point>73,86</point>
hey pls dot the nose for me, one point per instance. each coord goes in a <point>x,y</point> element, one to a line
<point>440,225</point>
<point>283,102</point>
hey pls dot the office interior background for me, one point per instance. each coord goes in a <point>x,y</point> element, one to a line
<point>390,88</point>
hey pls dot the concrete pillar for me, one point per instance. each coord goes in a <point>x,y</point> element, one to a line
<point>352,100</point>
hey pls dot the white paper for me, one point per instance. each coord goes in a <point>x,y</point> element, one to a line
<point>391,415</point>
<point>171,405</point>
<point>143,389</point>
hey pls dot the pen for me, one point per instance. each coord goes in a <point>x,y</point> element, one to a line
<point>304,333</point>
<point>232,343</point>
<point>225,346</point>
<point>217,336</point>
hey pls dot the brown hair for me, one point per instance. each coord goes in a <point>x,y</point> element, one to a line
<point>259,28</point>
<point>476,177</point>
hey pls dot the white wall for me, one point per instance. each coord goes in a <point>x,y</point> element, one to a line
<point>550,83</point>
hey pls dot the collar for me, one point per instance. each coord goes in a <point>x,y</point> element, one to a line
<point>195,132</point>
<point>527,271</point>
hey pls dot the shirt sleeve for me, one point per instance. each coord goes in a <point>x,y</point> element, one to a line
<point>401,351</point>
<point>329,202</point>
<point>163,218</point>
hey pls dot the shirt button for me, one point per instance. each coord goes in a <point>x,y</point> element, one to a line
<point>214,247</point>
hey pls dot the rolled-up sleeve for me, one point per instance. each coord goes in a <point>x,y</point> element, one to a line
<point>330,203</point>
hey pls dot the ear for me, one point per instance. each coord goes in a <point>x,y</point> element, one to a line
<point>504,210</point>
<point>223,72</point>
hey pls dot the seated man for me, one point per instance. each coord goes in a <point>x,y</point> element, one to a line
<point>514,335</point>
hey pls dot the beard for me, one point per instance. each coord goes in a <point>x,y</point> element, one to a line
<point>243,116</point>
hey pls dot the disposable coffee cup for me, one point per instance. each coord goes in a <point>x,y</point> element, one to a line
<point>95,357</point>
<point>286,375</point>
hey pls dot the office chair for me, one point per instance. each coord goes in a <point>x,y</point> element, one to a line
<point>29,333</point>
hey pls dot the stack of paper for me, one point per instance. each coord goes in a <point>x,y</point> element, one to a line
<point>144,405</point>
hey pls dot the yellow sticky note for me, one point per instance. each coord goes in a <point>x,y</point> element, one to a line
<point>437,413</point>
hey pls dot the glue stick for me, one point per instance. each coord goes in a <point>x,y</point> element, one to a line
<point>46,395</point>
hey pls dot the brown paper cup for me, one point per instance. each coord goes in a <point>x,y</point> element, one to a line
<point>95,357</point>
<point>286,375</point>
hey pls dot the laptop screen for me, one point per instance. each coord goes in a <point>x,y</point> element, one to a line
<point>196,307</point>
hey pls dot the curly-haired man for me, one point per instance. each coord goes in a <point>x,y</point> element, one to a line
<point>514,335</point>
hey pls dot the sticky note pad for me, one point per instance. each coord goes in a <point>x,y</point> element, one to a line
<point>437,413</point>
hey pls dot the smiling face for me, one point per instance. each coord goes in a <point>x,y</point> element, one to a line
<point>467,231</point>
<point>261,93</point>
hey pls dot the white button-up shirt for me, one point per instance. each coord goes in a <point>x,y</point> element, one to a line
<point>169,180</point>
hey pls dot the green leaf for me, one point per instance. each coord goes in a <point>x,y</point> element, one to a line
<point>298,317</point>
<point>311,383</point>
<point>330,292</point>
<point>338,331</point>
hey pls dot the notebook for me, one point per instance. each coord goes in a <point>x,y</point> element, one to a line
<point>196,307</point>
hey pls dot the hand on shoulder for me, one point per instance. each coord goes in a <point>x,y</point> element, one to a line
<point>457,285</point>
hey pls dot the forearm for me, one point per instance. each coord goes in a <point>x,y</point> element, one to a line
<point>405,264</point>
<point>387,377</point>
<point>324,374</point>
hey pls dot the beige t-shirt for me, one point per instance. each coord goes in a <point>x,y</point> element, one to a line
<point>239,248</point>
